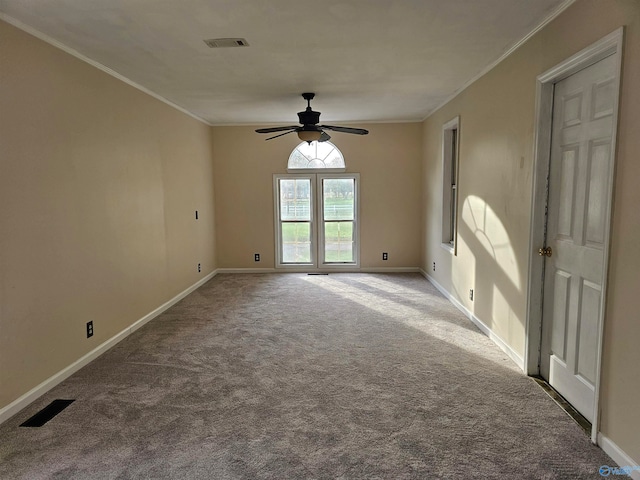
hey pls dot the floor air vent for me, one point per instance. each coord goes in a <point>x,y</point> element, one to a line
<point>47,413</point>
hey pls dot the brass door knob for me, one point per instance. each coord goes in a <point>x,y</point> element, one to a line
<point>545,251</point>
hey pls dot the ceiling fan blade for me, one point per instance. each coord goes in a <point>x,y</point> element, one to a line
<point>324,137</point>
<point>356,131</point>
<point>285,133</point>
<point>275,129</point>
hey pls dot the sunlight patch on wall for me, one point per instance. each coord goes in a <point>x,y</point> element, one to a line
<point>491,234</point>
<point>514,333</point>
<point>464,278</point>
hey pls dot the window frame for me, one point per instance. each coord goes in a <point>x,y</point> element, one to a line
<point>450,184</point>
<point>316,206</point>
<point>316,169</point>
<point>279,221</point>
<point>321,221</point>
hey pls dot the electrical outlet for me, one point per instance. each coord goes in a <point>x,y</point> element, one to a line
<point>434,266</point>
<point>385,256</point>
<point>471,294</point>
<point>90,329</point>
<point>256,257</point>
<point>199,268</point>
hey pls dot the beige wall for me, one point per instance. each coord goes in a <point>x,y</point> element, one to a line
<point>98,187</point>
<point>388,160</point>
<point>99,183</point>
<point>497,130</point>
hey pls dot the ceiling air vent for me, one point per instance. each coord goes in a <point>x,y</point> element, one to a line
<point>226,42</point>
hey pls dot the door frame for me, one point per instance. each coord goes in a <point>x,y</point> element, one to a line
<point>610,45</point>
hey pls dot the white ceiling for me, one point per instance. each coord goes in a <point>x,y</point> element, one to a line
<point>367,60</point>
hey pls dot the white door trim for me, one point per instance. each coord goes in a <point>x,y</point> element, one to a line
<point>609,45</point>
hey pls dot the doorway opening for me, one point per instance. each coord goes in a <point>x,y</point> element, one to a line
<point>577,110</point>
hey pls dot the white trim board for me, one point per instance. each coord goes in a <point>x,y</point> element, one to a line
<point>504,346</point>
<point>303,269</point>
<point>619,456</point>
<point>390,270</point>
<point>74,53</point>
<point>247,270</point>
<point>20,403</point>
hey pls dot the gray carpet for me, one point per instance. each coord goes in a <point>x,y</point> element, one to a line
<point>295,376</point>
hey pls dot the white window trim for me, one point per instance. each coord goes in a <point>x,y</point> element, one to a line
<point>356,223</point>
<point>315,169</point>
<point>316,208</point>
<point>449,199</point>
<point>312,210</point>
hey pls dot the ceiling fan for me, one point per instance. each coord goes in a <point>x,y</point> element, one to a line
<point>310,131</point>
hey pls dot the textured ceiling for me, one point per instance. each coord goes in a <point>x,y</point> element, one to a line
<point>367,60</point>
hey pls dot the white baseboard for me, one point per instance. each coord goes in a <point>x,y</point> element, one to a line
<point>322,270</point>
<point>504,346</point>
<point>620,457</point>
<point>390,270</point>
<point>36,392</point>
<point>247,270</point>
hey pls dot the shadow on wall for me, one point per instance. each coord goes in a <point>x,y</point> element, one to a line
<point>496,274</point>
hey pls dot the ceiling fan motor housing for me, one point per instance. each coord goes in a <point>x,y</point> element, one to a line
<point>309,117</point>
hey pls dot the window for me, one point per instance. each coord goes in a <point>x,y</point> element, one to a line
<point>316,220</point>
<point>296,214</point>
<point>316,210</point>
<point>316,155</point>
<point>450,154</point>
<point>338,207</point>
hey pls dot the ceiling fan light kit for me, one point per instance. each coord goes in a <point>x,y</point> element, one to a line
<point>309,135</point>
<point>310,131</point>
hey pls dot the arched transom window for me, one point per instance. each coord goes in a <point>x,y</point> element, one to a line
<point>316,155</point>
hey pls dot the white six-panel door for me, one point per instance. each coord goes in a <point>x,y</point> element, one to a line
<point>581,159</point>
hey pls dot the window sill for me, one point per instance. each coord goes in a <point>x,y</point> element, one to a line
<point>449,247</point>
